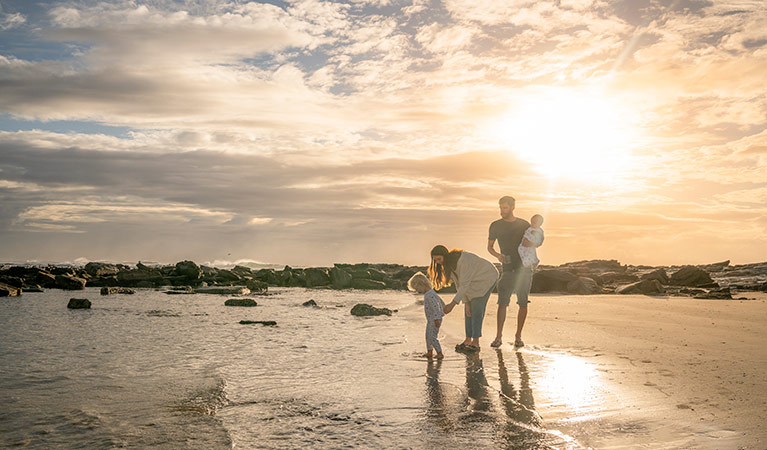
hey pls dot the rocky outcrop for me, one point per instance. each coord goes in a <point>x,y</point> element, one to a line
<point>363,283</point>
<point>316,277</point>
<point>188,270</point>
<point>70,283</point>
<point>657,274</point>
<point>716,294</point>
<point>646,287</point>
<point>552,280</point>
<point>583,286</point>
<point>7,290</point>
<point>691,276</point>
<point>339,278</point>
<point>240,302</point>
<point>256,286</point>
<point>363,309</point>
<point>116,290</point>
<point>79,303</point>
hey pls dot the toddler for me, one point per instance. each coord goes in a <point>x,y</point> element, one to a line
<point>533,235</point>
<point>433,307</point>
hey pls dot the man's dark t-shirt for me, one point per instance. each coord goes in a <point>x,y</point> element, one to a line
<point>509,236</point>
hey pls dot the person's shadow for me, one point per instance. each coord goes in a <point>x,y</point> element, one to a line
<point>437,407</point>
<point>518,404</point>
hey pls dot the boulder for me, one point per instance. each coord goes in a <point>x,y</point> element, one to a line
<point>257,286</point>
<point>716,267</point>
<point>690,276</point>
<point>116,290</point>
<point>316,277</point>
<point>612,278</point>
<point>716,294</point>
<point>594,265</point>
<point>657,274</point>
<point>552,280</point>
<point>188,269</point>
<point>240,302</point>
<point>97,269</point>
<point>268,276</point>
<point>367,284</point>
<point>9,291</point>
<point>309,303</point>
<point>223,290</point>
<point>43,279</point>
<point>71,283</point>
<point>363,309</point>
<point>583,286</point>
<point>79,303</point>
<point>226,276</point>
<point>143,276</point>
<point>242,271</point>
<point>646,287</point>
<point>255,322</point>
<point>339,278</point>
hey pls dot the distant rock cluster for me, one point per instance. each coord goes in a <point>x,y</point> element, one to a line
<point>717,280</point>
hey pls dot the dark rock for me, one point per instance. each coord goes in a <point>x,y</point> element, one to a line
<point>257,286</point>
<point>646,287</point>
<point>97,269</point>
<point>612,278</point>
<point>691,291</point>
<point>116,290</point>
<point>79,303</point>
<point>594,265</point>
<point>363,309</point>
<point>406,273</point>
<point>657,274</point>
<point>552,280</point>
<point>43,279</point>
<point>316,277</point>
<point>188,269</point>
<point>583,286</point>
<point>240,302</point>
<point>268,276</point>
<point>716,294</point>
<point>256,322</point>
<point>33,288</point>
<point>70,282</point>
<point>9,291</point>
<point>716,267</point>
<point>223,290</point>
<point>367,284</point>
<point>142,276</point>
<point>242,271</point>
<point>226,276</point>
<point>309,303</point>
<point>339,278</point>
<point>690,276</point>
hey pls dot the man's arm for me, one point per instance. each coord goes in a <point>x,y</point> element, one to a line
<point>491,249</point>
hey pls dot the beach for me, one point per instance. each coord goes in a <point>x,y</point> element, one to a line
<point>699,365</point>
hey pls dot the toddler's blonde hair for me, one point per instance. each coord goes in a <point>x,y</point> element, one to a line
<point>418,278</point>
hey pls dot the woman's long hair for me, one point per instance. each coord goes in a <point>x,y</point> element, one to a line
<point>441,275</point>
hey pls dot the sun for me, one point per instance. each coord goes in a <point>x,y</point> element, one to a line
<point>569,133</point>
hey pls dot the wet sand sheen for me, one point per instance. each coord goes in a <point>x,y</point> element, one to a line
<point>627,371</point>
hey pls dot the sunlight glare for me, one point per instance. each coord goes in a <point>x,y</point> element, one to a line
<point>581,135</point>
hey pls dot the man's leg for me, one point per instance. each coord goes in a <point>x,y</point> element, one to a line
<point>505,287</point>
<point>524,282</point>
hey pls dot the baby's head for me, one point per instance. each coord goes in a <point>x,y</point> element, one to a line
<point>419,283</point>
<point>536,220</point>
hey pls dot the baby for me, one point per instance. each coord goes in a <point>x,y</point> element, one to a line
<point>433,307</point>
<point>533,235</point>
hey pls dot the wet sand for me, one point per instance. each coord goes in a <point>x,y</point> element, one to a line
<point>627,371</point>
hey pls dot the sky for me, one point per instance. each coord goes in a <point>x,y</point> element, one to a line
<point>316,132</point>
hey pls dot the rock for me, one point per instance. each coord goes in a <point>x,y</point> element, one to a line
<point>594,266</point>
<point>612,278</point>
<point>43,279</point>
<point>646,287</point>
<point>9,291</point>
<point>188,270</point>
<point>255,322</point>
<point>226,276</point>
<point>70,282</point>
<point>552,280</point>
<point>716,294</point>
<point>79,303</point>
<point>240,302</point>
<point>97,269</point>
<point>12,281</point>
<point>268,276</point>
<point>310,303</point>
<point>367,284</point>
<point>716,267</point>
<point>316,277</point>
<point>34,288</point>
<point>657,274</point>
<point>339,278</point>
<point>116,290</point>
<point>690,276</point>
<point>223,290</point>
<point>363,309</point>
<point>143,276</point>
<point>583,286</point>
<point>242,271</point>
<point>257,286</point>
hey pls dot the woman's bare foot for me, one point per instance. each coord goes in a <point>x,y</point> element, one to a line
<point>429,354</point>
<point>440,355</point>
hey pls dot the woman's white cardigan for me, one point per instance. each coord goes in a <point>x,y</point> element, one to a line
<point>473,277</point>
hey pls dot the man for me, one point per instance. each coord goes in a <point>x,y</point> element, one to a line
<point>509,231</point>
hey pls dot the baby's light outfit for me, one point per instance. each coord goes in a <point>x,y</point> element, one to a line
<point>433,306</point>
<point>528,254</point>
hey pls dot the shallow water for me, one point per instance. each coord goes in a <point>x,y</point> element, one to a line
<point>152,370</point>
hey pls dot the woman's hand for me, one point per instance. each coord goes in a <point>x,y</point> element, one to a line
<point>449,307</point>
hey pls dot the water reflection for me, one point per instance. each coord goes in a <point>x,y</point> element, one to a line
<point>436,408</point>
<point>571,382</point>
<point>519,404</point>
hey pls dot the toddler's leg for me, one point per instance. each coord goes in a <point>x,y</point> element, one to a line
<point>429,342</point>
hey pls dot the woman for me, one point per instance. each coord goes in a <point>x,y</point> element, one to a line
<point>474,279</point>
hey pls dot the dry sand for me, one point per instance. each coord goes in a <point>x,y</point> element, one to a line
<point>697,365</point>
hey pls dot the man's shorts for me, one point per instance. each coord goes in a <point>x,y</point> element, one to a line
<point>515,280</point>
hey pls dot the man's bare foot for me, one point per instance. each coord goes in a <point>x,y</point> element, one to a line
<point>496,343</point>
<point>518,342</point>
